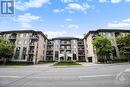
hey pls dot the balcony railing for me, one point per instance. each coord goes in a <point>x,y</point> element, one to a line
<point>12,37</point>
<point>79,43</point>
<point>65,43</point>
<point>49,48</point>
<point>49,54</point>
<point>50,43</point>
<point>80,48</point>
<point>81,55</point>
<point>31,44</point>
<point>31,52</point>
<point>35,37</point>
<point>65,49</point>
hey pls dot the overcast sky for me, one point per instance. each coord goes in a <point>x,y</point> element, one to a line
<point>67,17</point>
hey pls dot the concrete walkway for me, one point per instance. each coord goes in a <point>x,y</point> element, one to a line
<point>88,64</point>
<point>51,65</point>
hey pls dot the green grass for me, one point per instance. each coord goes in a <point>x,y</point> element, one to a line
<point>113,62</point>
<point>66,63</point>
<point>45,62</point>
<point>121,61</point>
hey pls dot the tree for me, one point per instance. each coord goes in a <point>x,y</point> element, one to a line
<point>6,49</point>
<point>124,45</point>
<point>103,47</point>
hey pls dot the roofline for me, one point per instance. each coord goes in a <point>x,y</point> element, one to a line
<point>17,31</point>
<point>113,30</point>
<point>42,34</point>
<point>64,38</point>
<point>106,30</point>
<point>24,31</point>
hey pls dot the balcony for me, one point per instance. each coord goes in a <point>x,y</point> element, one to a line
<point>49,48</point>
<point>24,52</point>
<point>80,48</point>
<point>34,37</point>
<point>65,49</point>
<point>80,43</point>
<point>81,54</point>
<point>31,44</point>
<point>50,43</point>
<point>49,54</point>
<point>31,52</point>
<point>12,37</point>
<point>65,43</point>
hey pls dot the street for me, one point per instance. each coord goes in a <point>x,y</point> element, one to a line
<point>45,75</point>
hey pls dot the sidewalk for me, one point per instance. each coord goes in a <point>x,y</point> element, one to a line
<point>28,66</point>
<point>89,64</point>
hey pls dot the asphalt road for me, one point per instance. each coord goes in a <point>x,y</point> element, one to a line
<point>88,75</point>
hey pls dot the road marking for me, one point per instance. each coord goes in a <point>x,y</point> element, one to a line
<point>92,76</point>
<point>10,77</point>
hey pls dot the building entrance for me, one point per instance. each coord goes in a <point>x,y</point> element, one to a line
<point>90,59</point>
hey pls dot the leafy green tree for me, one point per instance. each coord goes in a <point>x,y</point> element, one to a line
<point>6,49</point>
<point>124,45</point>
<point>103,47</point>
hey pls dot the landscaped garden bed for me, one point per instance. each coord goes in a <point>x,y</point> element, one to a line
<point>66,63</point>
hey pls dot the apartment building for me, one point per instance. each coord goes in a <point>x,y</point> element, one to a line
<point>90,54</point>
<point>65,48</point>
<point>33,46</point>
<point>30,45</point>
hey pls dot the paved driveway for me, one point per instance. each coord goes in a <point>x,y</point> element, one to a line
<point>45,75</point>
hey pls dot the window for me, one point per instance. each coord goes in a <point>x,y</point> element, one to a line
<point>19,42</point>
<point>62,47</point>
<point>62,42</point>
<point>74,41</point>
<point>26,35</point>
<point>24,53</point>
<point>68,42</point>
<point>24,50</point>
<point>56,54</point>
<point>74,46</point>
<point>68,52</point>
<point>87,51</point>
<point>56,42</point>
<point>43,57</point>
<point>61,52</point>
<point>86,45</point>
<point>21,35</point>
<point>25,42</point>
<point>44,39</point>
<point>18,48</point>
<point>24,57</point>
<point>43,51</point>
<point>74,56</point>
<point>44,46</point>
<point>17,53</point>
<point>68,47</point>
